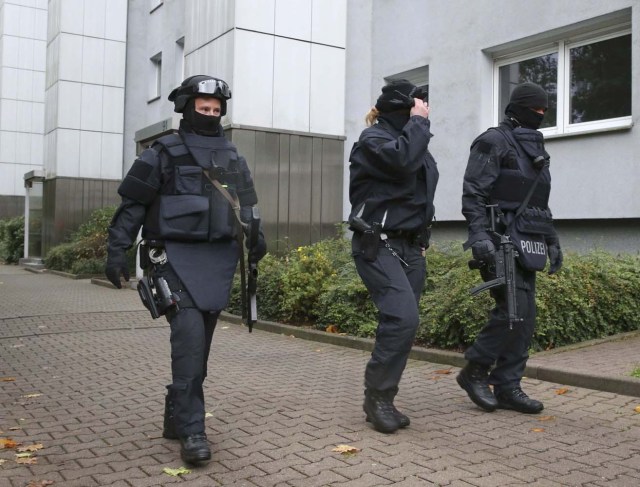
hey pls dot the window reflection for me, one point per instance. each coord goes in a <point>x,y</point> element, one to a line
<point>601,80</point>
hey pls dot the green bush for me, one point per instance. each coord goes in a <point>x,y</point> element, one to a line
<point>595,295</point>
<point>86,252</point>
<point>11,239</point>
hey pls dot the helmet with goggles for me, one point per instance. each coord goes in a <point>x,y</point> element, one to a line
<point>200,85</point>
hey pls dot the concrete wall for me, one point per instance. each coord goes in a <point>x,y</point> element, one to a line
<point>595,176</point>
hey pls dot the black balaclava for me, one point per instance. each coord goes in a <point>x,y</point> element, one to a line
<point>523,98</point>
<point>395,102</point>
<point>208,125</point>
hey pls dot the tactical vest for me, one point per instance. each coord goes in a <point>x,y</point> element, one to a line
<point>189,208</point>
<point>516,177</point>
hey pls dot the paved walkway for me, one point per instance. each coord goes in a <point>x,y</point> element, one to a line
<point>89,368</point>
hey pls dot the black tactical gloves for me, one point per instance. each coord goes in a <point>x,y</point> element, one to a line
<point>259,250</point>
<point>116,265</point>
<point>484,251</point>
<point>555,256</point>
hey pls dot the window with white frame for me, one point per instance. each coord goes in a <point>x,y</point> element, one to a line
<point>155,77</point>
<point>588,80</point>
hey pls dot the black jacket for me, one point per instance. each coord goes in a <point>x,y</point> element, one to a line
<point>392,171</point>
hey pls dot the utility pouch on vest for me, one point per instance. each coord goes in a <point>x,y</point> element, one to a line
<point>528,236</point>
<point>535,221</point>
<point>184,217</point>
<point>370,242</point>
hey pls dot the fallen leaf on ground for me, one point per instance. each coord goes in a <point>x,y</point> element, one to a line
<point>208,415</point>
<point>546,418</point>
<point>34,447</point>
<point>637,409</point>
<point>537,430</point>
<point>2,460</point>
<point>442,371</point>
<point>35,394</point>
<point>27,461</point>
<point>24,455</point>
<point>174,472</point>
<point>564,390</point>
<point>225,327</point>
<point>14,428</point>
<point>7,379</point>
<point>332,329</point>
<point>41,483</point>
<point>7,443</point>
<point>346,449</point>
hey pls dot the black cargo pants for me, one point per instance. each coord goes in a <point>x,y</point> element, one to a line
<point>191,336</point>
<point>395,290</point>
<point>498,343</point>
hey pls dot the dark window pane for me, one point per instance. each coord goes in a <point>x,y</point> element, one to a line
<point>541,70</point>
<point>601,80</point>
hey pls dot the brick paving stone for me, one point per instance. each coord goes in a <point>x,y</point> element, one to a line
<point>279,405</point>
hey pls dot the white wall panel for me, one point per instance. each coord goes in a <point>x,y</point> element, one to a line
<point>92,60</point>
<point>38,88</point>
<point>111,155</point>
<point>215,59</point>
<point>90,154</point>
<point>23,116</point>
<point>70,56</point>
<point>94,16</point>
<point>208,20</point>
<point>114,63</point>
<point>37,118</point>
<point>39,55</point>
<point>9,85</point>
<point>23,148</point>
<point>11,19</point>
<point>40,25</point>
<point>7,146</point>
<point>327,105</point>
<point>90,107</point>
<point>116,20</point>
<point>112,109</point>
<point>67,153</point>
<point>53,62</point>
<point>329,22</point>
<point>10,54</point>
<point>72,16</point>
<point>253,79</point>
<point>50,151</point>
<point>25,85</point>
<point>8,114</point>
<point>291,82</point>
<point>25,53</point>
<point>27,22</point>
<point>293,19</point>
<point>257,15</point>
<point>37,150</point>
<point>7,183</point>
<point>68,105</point>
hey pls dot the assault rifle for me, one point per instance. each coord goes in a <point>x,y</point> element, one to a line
<point>505,270</point>
<point>252,271</point>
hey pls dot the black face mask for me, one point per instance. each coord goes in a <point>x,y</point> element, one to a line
<point>397,119</point>
<point>202,124</point>
<point>526,116</point>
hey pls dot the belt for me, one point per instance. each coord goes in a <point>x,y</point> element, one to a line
<point>409,235</point>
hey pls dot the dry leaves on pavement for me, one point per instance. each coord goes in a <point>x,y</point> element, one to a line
<point>27,460</point>
<point>546,418</point>
<point>174,472</point>
<point>537,430</point>
<point>7,443</point>
<point>40,483</point>
<point>7,379</point>
<point>332,329</point>
<point>346,449</point>
<point>443,371</point>
<point>33,447</point>
<point>637,409</point>
<point>561,391</point>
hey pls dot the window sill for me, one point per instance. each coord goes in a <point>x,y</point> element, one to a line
<point>627,125</point>
<point>153,99</point>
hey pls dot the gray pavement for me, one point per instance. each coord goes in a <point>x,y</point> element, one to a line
<point>89,368</point>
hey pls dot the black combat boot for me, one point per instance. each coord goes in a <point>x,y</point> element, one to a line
<point>195,448</point>
<point>378,406</point>
<point>169,428</point>
<point>517,400</point>
<point>474,378</point>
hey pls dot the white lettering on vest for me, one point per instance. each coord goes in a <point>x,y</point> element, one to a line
<point>531,247</point>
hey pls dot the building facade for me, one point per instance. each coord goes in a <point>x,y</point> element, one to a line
<point>93,77</point>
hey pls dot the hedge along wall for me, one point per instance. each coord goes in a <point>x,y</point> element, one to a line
<point>593,296</point>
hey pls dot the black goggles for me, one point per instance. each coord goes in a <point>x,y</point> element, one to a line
<point>418,93</point>
<point>213,87</point>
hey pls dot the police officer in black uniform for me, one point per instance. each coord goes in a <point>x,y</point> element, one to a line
<point>392,184</point>
<point>176,190</point>
<point>505,162</point>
